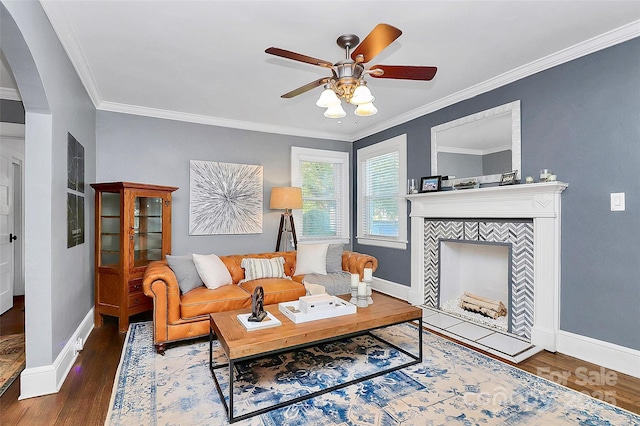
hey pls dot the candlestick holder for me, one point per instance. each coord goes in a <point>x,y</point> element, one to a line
<point>362,295</point>
<point>362,301</point>
<point>367,278</point>
<point>354,294</point>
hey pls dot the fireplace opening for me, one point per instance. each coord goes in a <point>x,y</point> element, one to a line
<point>476,275</point>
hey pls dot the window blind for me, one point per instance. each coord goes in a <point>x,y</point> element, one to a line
<point>321,200</point>
<point>380,186</point>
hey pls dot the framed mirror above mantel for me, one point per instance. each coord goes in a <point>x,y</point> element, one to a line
<point>483,145</point>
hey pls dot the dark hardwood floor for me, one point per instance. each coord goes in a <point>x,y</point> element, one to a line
<point>85,394</point>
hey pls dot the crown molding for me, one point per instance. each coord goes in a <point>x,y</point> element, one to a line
<point>70,44</point>
<point>65,32</point>
<point>215,121</point>
<point>608,39</point>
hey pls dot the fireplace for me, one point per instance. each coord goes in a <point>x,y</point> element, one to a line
<point>525,217</point>
<point>471,272</point>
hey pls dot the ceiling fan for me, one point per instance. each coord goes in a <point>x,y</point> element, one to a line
<point>347,76</point>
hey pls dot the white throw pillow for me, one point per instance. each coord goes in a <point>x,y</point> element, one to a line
<point>311,259</point>
<point>212,270</point>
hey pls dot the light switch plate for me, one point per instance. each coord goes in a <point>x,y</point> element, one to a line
<point>617,202</point>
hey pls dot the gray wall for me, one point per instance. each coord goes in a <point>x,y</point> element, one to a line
<point>58,281</point>
<point>149,150</point>
<point>11,111</point>
<point>581,120</point>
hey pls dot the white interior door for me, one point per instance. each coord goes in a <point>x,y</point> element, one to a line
<point>6,233</point>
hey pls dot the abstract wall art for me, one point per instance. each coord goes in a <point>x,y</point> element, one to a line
<point>225,198</point>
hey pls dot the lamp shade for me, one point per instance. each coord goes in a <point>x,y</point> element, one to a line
<point>328,98</point>
<point>335,111</point>
<point>286,197</point>
<point>366,110</point>
<point>362,95</point>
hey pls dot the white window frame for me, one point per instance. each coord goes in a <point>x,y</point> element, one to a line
<point>395,144</point>
<point>299,154</point>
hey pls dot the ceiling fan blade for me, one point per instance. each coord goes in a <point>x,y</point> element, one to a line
<point>402,72</point>
<point>305,88</point>
<point>377,40</point>
<point>298,57</point>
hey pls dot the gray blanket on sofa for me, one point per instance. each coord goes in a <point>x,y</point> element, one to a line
<point>335,283</point>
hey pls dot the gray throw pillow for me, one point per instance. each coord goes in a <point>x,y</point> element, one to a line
<point>334,258</point>
<point>186,272</point>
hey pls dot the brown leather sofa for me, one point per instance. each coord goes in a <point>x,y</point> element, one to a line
<point>179,316</point>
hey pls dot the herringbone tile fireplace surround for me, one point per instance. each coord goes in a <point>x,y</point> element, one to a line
<point>517,233</point>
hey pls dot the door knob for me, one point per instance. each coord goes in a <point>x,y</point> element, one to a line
<point>12,238</point>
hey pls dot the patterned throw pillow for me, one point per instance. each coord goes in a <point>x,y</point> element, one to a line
<point>263,268</point>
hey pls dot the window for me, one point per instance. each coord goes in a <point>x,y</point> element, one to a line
<point>382,208</point>
<point>324,179</point>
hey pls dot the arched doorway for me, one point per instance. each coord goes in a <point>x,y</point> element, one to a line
<point>38,138</point>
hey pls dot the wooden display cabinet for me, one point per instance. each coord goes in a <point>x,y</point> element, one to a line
<point>133,228</point>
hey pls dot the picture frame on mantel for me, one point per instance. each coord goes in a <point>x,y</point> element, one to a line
<point>430,184</point>
<point>508,178</point>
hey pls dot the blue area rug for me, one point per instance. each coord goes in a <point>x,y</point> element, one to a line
<point>452,386</point>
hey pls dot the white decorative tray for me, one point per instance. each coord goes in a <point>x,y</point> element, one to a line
<point>292,311</point>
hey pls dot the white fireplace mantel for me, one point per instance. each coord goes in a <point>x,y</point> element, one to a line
<point>539,202</point>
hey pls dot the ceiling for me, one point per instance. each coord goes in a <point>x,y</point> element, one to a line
<point>204,61</point>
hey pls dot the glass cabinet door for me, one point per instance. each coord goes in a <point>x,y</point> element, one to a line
<point>147,230</point>
<point>110,229</point>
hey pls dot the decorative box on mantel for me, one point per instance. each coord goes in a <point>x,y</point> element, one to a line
<point>539,202</point>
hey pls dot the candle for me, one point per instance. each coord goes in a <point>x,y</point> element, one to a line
<point>362,289</point>
<point>368,274</point>
<point>544,174</point>
<point>355,278</point>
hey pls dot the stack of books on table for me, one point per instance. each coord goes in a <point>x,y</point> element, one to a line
<point>269,321</point>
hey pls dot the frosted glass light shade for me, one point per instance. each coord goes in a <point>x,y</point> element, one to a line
<point>328,99</point>
<point>366,110</point>
<point>335,111</point>
<point>362,95</point>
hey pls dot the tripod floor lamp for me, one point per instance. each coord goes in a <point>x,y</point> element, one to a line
<point>287,198</point>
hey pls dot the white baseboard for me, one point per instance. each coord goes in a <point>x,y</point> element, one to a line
<point>392,289</point>
<point>605,354</point>
<point>48,379</point>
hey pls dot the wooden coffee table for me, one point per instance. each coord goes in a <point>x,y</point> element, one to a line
<point>240,345</point>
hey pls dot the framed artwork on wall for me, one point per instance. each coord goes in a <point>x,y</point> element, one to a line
<point>225,198</point>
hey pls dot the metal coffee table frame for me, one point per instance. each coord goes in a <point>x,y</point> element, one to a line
<point>416,359</point>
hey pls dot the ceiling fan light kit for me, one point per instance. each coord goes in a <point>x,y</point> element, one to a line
<point>347,80</point>
<point>328,98</point>
<point>335,111</point>
<point>365,110</point>
<point>362,95</point>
